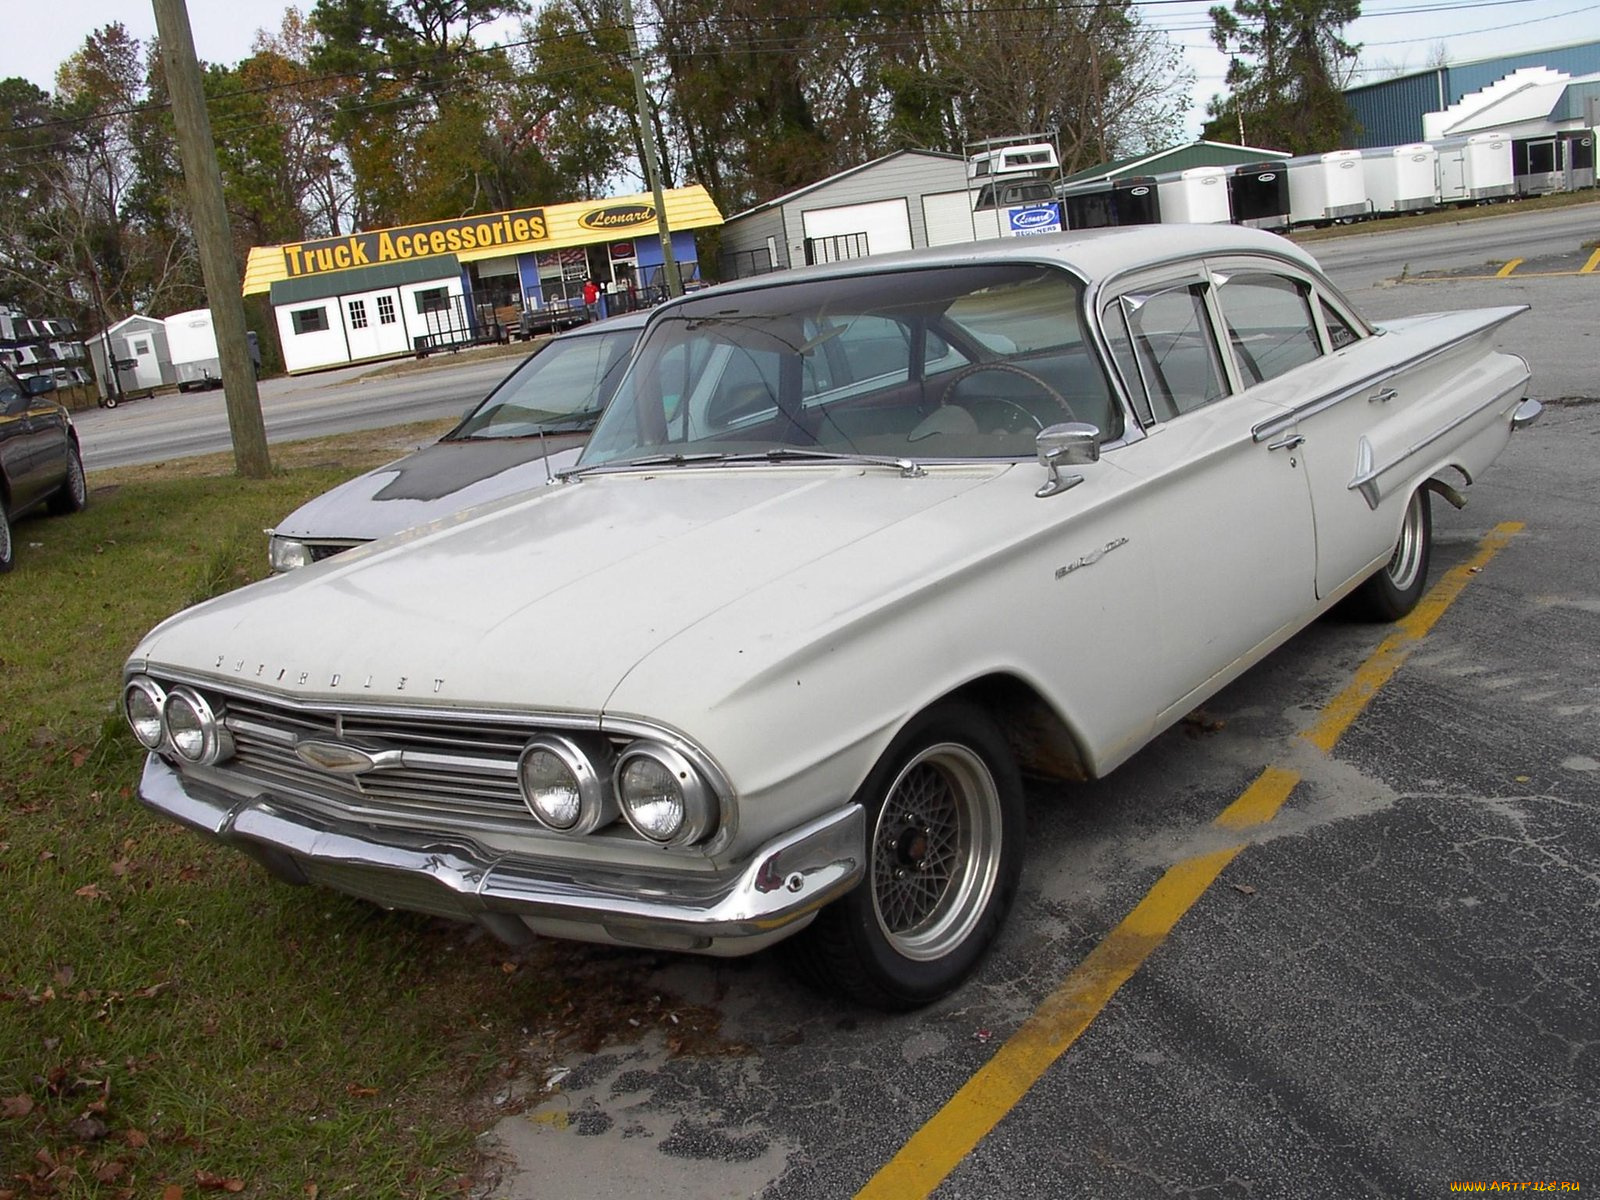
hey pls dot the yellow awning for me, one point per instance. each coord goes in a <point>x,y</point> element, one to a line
<point>552,227</point>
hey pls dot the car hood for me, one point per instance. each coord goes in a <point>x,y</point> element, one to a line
<point>550,600</point>
<point>434,482</point>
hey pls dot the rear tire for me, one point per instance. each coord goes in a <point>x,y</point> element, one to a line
<point>1394,590</point>
<point>73,497</point>
<point>944,855</point>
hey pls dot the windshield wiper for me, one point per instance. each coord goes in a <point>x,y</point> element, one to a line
<point>631,464</point>
<point>907,467</point>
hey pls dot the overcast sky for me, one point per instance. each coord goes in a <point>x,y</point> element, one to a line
<point>1394,33</point>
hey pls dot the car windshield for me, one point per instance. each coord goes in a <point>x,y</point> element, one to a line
<point>563,386</point>
<point>952,362</point>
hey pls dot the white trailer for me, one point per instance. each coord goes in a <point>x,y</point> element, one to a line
<point>1475,169</point>
<point>1198,196</point>
<point>1402,178</point>
<point>192,344</point>
<point>1327,187</point>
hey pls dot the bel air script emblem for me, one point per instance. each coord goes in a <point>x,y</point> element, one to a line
<point>1089,559</point>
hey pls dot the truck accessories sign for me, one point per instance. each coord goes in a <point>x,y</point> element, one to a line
<point>415,241</point>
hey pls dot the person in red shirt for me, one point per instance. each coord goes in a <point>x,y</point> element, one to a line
<point>591,298</point>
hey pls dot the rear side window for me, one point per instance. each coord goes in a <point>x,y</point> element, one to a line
<point>1270,326</point>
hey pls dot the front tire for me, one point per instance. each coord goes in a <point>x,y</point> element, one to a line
<point>73,497</point>
<point>944,855</point>
<point>1397,586</point>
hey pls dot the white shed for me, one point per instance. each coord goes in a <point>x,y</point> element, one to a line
<point>369,313</point>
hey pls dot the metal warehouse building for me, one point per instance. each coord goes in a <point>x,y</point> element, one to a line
<point>902,201</point>
<point>1390,113</point>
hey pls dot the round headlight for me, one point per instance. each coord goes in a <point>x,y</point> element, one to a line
<point>662,795</point>
<point>193,728</point>
<point>561,789</point>
<point>286,554</point>
<point>141,704</point>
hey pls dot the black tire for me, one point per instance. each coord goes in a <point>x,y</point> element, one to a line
<point>921,921</point>
<point>109,402</point>
<point>8,552</point>
<point>73,496</point>
<point>1396,587</point>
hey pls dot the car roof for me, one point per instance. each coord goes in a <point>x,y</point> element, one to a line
<point>1094,254</point>
<point>632,320</point>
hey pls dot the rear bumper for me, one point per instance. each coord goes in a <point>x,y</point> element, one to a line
<point>774,894</point>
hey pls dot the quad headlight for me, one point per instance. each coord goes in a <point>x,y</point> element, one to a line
<point>286,554</point>
<point>141,704</point>
<point>193,729</point>
<point>561,787</point>
<point>662,796</point>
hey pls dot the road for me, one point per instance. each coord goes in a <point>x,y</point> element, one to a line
<point>179,425</point>
<point>355,398</point>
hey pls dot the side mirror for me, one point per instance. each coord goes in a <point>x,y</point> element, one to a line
<point>38,385</point>
<point>1071,444</point>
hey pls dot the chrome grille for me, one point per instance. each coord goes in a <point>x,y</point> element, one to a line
<point>448,769</point>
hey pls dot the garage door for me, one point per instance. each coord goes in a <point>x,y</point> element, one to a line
<point>950,219</point>
<point>856,230</point>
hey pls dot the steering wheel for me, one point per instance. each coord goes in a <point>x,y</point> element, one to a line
<point>1010,368</point>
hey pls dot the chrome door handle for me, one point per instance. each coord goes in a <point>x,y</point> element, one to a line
<point>1383,397</point>
<point>1288,442</point>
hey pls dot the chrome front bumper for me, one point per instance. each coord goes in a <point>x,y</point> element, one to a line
<point>775,894</point>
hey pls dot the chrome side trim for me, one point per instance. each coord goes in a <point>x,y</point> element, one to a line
<point>1367,482</point>
<point>783,883</point>
<point>1317,404</point>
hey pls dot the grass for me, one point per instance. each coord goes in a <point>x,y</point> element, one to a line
<point>174,1023</point>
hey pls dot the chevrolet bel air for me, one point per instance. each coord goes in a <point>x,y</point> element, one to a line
<point>853,549</point>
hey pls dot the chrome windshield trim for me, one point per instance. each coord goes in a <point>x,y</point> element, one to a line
<point>1276,425</point>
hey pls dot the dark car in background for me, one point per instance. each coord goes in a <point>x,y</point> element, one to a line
<point>39,459</point>
<point>533,424</point>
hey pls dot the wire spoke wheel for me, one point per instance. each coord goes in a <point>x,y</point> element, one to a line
<point>936,851</point>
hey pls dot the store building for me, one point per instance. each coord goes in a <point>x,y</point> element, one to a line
<point>382,293</point>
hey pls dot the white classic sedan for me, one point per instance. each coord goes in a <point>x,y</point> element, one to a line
<point>851,550</point>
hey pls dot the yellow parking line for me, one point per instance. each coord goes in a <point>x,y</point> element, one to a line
<point>1000,1084</point>
<point>1509,267</point>
<point>1588,268</point>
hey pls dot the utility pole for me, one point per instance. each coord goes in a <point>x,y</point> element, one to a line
<point>647,140</point>
<point>203,179</point>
